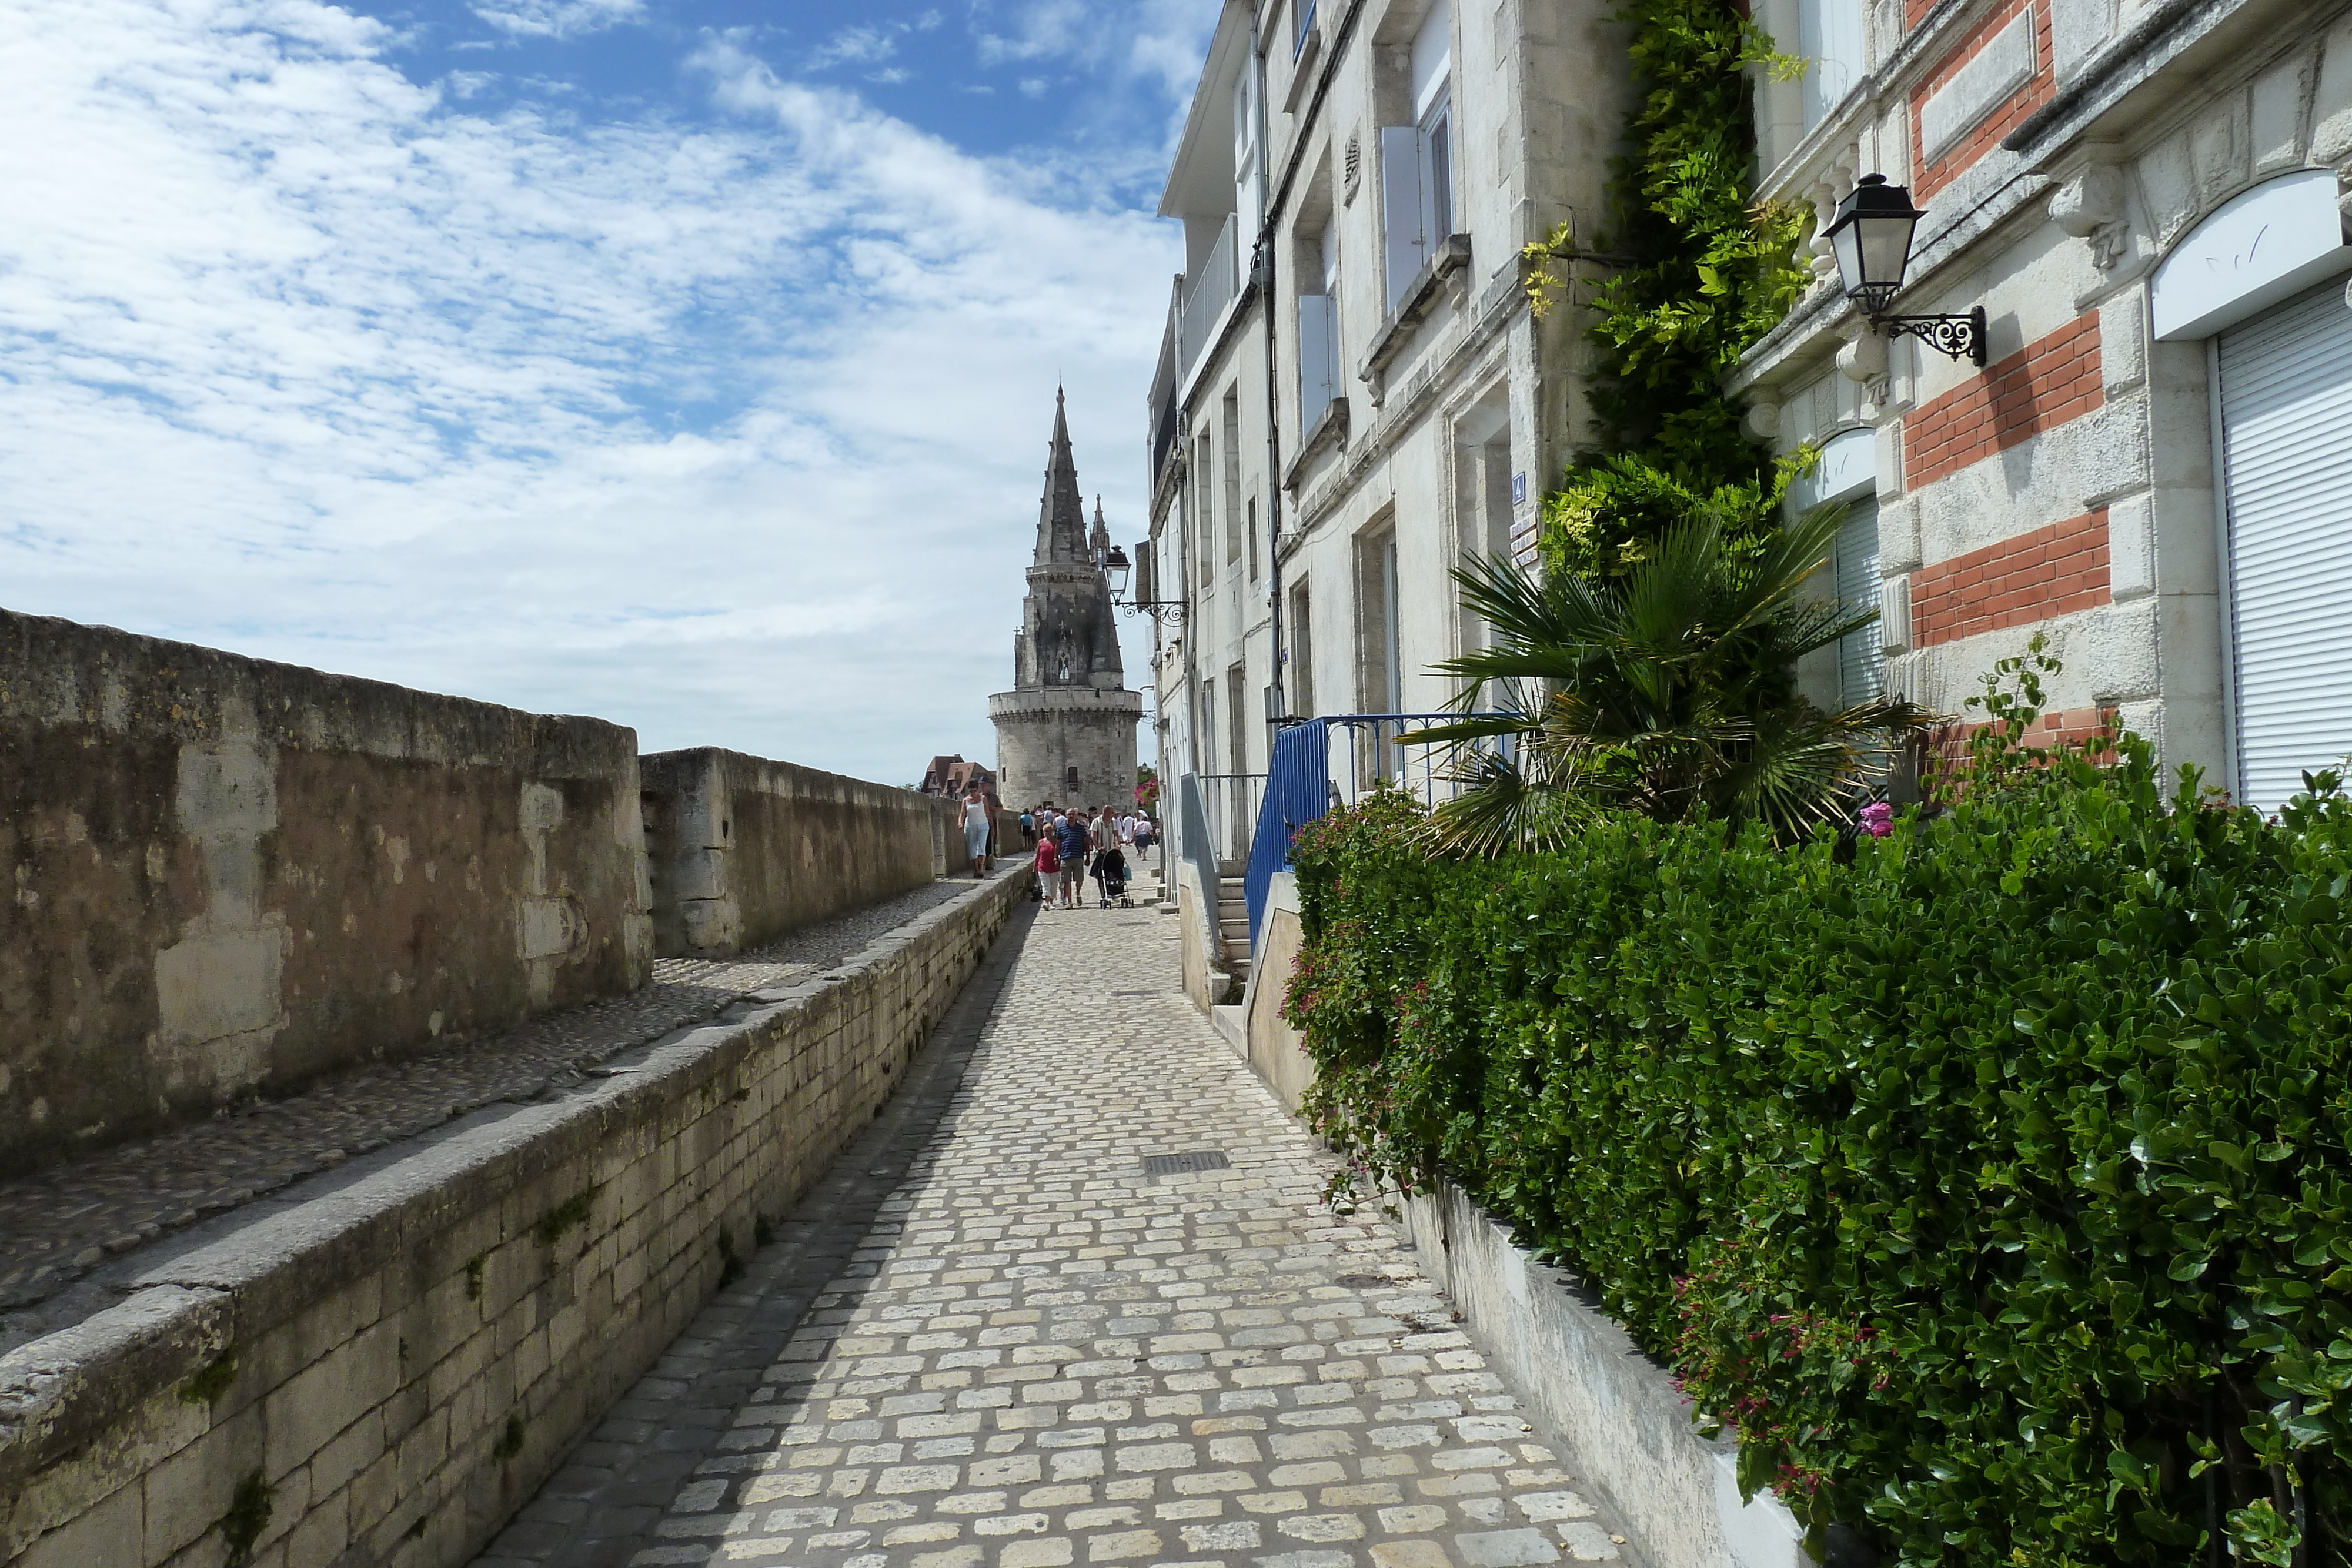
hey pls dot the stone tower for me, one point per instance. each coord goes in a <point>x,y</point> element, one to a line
<point>1065,732</point>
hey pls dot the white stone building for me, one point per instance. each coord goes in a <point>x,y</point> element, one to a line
<point>1352,395</point>
<point>2154,468</point>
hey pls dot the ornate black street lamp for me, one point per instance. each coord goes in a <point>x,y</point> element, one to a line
<point>1116,567</point>
<point>1871,236</point>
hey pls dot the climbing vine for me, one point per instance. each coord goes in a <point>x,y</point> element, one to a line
<point>1701,271</point>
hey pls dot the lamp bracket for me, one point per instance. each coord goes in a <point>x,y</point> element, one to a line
<point>1960,337</point>
<point>1161,609</point>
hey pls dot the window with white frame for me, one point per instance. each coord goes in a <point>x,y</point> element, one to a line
<point>1829,36</point>
<point>1417,159</point>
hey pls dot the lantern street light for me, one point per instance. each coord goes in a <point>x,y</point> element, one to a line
<point>1871,236</point>
<point>1116,567</point>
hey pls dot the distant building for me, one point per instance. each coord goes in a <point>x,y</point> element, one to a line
<point>952,775</point>
<point>1065,732</point>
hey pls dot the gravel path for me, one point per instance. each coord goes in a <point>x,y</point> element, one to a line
<point>65,1233</point>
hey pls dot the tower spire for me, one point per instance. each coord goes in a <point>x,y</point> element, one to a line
<point>1062,516</point>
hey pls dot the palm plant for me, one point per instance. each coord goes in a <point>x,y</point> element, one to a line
<point>1669,691</point>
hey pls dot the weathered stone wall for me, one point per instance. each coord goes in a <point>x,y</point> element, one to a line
<point>1041,735</point>
<point>742,849</point>
<point>225,878</point>
<point>395,1367</point>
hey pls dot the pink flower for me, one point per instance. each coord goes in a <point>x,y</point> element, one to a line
<point>1878,819</point>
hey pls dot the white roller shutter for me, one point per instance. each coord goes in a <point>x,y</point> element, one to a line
<point>1861,658</point>
<point>2286,424</point>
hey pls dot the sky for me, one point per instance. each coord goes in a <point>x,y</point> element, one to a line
<point>688,363</point>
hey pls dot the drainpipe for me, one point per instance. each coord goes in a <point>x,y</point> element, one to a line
<point>1261,277</point>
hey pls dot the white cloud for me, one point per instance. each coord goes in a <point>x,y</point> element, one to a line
<point>559,19</point>
<point>735,435</point>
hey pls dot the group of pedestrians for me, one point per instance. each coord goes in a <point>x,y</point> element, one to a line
<point>1069,846</point>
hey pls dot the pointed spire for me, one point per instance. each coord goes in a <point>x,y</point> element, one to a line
<point>1062,516</point>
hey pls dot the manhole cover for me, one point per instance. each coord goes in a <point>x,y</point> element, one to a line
<point>1197,1160</point>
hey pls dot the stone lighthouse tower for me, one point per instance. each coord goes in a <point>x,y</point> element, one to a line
<point>1065,732</point>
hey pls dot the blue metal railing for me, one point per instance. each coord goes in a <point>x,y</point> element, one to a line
<point>1305,781</point>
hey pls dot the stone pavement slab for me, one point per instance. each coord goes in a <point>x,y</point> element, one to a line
<point>67,1235</point>
<point>1038,1354</point>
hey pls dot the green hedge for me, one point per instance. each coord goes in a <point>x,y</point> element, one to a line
<point>1990,1178</point>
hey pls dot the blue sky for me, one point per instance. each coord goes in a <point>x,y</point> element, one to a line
<point>684,362</point>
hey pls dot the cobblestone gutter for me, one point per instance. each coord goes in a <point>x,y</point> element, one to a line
<point>390,1369</point>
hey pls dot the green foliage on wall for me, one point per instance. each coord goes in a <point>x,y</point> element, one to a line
<point>1702,272</point>
<point>1993,1178</point>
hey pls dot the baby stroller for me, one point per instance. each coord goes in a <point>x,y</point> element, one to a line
<point>1111,877</point>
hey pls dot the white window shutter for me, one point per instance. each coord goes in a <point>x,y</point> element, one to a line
<point>1400,207</point>
<point>1314,389</point>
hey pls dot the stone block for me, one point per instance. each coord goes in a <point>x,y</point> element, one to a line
<point>112,1532</point>
<point>328,1396</point>
<point>2276,120</point>
<point>2331,123</point>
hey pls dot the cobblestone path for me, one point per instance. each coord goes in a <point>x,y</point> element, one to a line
<point>1038,1354</point>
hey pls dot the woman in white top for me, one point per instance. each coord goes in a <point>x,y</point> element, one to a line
<point>975,829</point>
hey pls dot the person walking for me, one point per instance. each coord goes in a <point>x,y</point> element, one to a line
<point>975,828</point>
<point>1048,884</point>
<point>1075,845</point>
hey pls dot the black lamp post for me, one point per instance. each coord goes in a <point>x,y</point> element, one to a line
<point>1870,237</point>
<point>1116,567</point>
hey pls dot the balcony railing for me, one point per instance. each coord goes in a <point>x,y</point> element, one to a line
<point>1207,293</point>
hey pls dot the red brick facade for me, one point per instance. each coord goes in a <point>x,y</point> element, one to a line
<point>2045,384</point>
<point>2050,571</point>
<point>1928,178</point>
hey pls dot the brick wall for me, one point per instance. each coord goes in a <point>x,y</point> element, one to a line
<point>397,1365</point>
<point>2050,571</point>
<point>1930,177</point>
<point>2046,383</point>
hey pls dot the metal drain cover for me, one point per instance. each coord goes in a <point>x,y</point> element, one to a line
<point>1197,1160</point>
<point>1135,993</point>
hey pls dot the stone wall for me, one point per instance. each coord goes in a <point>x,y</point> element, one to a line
<point>226,878</point>
<point>742,849</point>
<point>389,1370</point>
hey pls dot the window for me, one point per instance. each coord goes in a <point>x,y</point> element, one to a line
<point>1237,718</point>
<point>1232,422</point>
<point>1319,331</point>
<point>1380,673</point>
<point>1417,159</point>
<point>1828,36</point>
<point>1861,656</point>
<point>1203,519</point>
<point>1482,495</point>
<point>1301,655</point>
<point>1306,26</point>
<point>1250,508</point>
